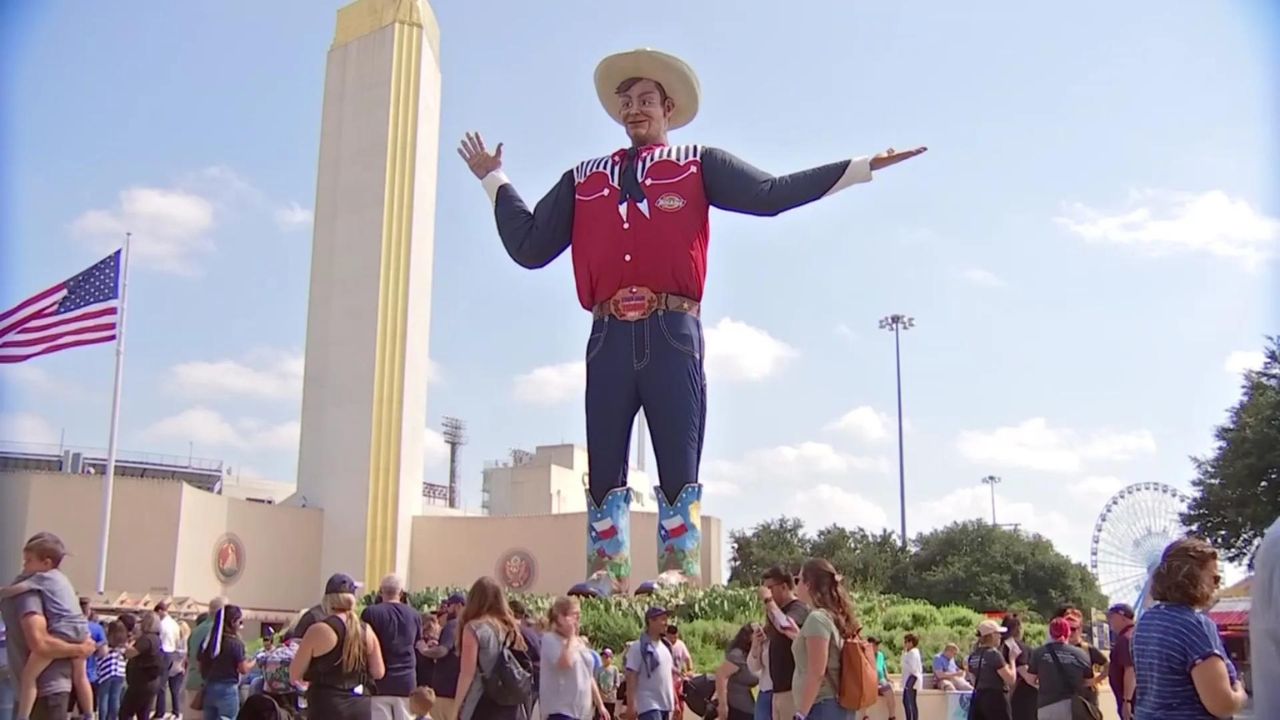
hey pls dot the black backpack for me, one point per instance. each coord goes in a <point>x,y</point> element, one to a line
<point>699,695</point>
<point>510,681</point>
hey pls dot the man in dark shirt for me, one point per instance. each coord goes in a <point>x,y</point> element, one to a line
<point>398,628</point>
<point>1097,659</point>
<point>1121,675</point>
<point>637,222</point>
<point>784,615</point>
<point>1060,670</point>
<point>448,661</point>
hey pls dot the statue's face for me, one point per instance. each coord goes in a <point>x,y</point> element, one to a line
<point>645,111</point>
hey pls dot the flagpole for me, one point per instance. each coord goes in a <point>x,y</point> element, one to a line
<point>108,480</point>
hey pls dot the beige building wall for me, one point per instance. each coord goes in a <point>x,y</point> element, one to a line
<point>164,536</point>
<point>553,481</point>
<point>454,551</point>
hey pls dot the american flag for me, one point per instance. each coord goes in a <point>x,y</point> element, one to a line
<point>84,310</point>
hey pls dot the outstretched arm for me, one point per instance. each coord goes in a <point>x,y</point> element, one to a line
<point>532,239</point>
<point>733,184</point>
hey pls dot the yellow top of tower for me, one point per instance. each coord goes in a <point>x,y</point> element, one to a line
<point>365,16</point>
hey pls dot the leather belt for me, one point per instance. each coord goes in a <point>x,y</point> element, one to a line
<point>637,303</point>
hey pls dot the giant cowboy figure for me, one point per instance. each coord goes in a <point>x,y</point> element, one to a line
<point>637,222</point>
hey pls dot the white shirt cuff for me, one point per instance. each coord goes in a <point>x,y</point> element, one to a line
<point>492,182</point>
<point>859,171</point>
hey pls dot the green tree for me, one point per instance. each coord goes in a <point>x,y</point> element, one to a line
<point>983,567</point>
<point>1237,488</point>
<point>869,562</point>
<point>773,542</point>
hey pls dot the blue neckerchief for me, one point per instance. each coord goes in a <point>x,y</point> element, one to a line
<point>648,654</point>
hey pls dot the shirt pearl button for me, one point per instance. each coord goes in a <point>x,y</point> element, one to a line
<point>627,257</point>
<point>626,226</point>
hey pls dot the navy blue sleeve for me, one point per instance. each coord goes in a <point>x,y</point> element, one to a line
<point>733,184</point>
<point>534,239</point>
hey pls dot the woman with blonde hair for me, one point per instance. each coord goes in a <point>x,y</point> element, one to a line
<point>487,627</point>
<point>567,690</point>
<point>338,655</point>
<point>1182,670</point>
<point>817,647</point>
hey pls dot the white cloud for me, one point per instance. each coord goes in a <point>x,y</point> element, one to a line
<point>267,375</point>
<point>169,227</point>
<point>208,428</point>
<point>785,465</point>
<point>1160,222</point>
<point>34,379</point>
<point>864,423</point>
<point>293,217</point>
<point>1061,523</point>
<point>551,384</point>
<point>435,373</point>
<point>23,427</point>
<point>1034,445</point>
<point>825,504</point>
<point>1242,360</point>
<point>845,332</point>
<point>981,278</point>
<point>434,450</point>
<point>1095,490</point>
<point>738,351</point>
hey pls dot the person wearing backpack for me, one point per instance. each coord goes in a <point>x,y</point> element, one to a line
<point>495,678</point>
<point>818,650</point>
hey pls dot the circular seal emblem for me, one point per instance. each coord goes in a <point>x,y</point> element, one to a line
<point>228,558</point>
<point>516,570</point>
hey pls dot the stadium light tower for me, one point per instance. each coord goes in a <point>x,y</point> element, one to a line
<point>992,480</point>
<point>455,435</point>
<point>898,324</point>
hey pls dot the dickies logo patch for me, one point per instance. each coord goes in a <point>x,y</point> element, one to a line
<point>669,202</point>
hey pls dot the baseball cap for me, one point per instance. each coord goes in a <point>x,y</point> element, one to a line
<point>654,613</point>
<point>990,627</point>
<point>607,652</point>
<point>1059,629</point>
<point>1122,609</point>
<point>341,583</point>
<point>456,599</point>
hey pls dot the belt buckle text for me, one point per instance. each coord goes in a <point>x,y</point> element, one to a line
<point>633,303</point>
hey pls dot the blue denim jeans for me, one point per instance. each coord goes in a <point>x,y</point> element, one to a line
<point>221,700</point>
<point>7,698</point>
<point>764,705</point>
<point>829,709</point>
<point>655,715</point>
<point>657,364</point>
<point>110,691</point>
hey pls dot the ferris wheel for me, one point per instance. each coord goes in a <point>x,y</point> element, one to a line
<point>1135,527</point>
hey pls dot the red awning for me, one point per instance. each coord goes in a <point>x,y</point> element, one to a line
<point>1229,618</point>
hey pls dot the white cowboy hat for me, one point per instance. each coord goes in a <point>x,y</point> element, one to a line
<point>676,77</point>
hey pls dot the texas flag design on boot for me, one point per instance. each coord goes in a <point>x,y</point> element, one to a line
<point>609,542</point>
<point>680,534</point>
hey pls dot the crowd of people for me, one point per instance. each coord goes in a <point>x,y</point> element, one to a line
<point>481,656</point>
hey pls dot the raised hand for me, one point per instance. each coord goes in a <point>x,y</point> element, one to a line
<point>479,159</point>
<point>891,157</point>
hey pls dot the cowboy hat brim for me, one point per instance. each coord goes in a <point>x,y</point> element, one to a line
<point>675,76</point>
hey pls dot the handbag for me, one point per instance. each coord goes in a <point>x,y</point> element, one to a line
<point>1081,707</point>
<point>197,699</point>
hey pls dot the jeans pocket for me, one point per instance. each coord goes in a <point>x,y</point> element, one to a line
<point>682,331</point>
<point>595,342</point>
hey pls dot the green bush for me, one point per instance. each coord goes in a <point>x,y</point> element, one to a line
<point>708,620</point>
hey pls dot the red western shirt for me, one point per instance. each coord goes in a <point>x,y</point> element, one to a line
<point>639,216</point>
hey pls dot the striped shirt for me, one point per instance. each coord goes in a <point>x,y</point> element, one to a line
<point>112,665</point>
<point>1168,642</point>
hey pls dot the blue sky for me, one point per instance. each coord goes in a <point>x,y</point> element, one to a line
<point>1088,247</point>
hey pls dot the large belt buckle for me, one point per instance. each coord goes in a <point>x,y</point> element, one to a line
<point>633,303</point>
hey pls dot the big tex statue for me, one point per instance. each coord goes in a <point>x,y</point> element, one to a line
<point>637,221</point>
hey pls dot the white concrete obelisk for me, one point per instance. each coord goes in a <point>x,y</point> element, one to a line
<point>365,388</point>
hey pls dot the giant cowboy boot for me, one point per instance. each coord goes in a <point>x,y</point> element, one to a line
<point>679,537</point>
<point>608,545</point>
